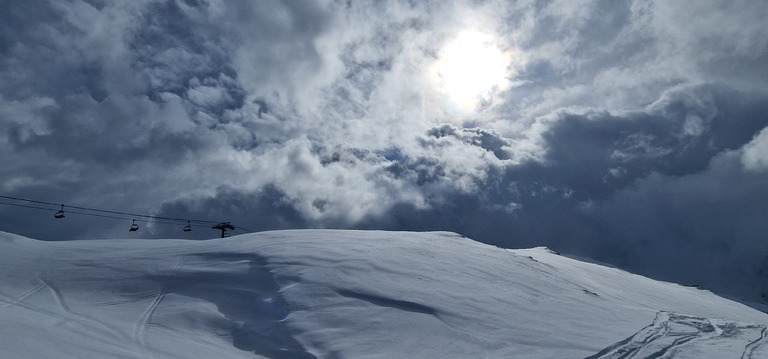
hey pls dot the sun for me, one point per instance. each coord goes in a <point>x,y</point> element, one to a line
<point>470,68</point>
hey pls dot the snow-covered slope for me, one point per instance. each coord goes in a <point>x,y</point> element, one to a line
<point>348,294</point>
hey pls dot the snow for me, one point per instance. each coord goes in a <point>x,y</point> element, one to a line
<point>349,294</point>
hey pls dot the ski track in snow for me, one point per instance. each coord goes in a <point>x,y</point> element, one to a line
<point>760,345</point>
<point>142,325</point>
<point>11,300</point>
<point>140,333</point>
<point>57,296</point>
<point>137,299</point>
<point>64,313</point>
<point>672,333</point>
<point>71,315</point>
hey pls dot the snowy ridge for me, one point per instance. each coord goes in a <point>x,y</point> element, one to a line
<point>348,294</point>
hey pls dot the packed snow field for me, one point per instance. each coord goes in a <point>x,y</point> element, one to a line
<point>349,294</point>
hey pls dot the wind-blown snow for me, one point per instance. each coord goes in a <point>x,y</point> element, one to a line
<point>348,294</point>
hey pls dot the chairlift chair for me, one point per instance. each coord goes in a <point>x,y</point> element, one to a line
<point>134,227</point>
<point>188,227</point>
<point>60,214</point>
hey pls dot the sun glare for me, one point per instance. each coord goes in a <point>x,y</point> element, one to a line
<point>470,68</point>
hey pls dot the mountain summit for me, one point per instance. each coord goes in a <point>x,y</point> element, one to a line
<point>349,294</point>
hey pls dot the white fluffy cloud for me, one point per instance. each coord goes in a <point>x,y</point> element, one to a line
<point>755,155</point>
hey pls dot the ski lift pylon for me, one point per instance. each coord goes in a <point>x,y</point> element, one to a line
<point>134,227</point>
<point>60,213</point>
<point>224,226</point>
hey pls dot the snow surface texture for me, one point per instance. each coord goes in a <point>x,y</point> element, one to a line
<point>349,294</point>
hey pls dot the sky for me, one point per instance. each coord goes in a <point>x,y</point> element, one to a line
<point>631,132</point>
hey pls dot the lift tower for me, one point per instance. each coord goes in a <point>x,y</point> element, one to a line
<point>224,226</point>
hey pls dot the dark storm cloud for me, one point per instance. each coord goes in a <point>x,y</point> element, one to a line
<point>598,152</point>
<point>266,209</point>
<point>631,132</point>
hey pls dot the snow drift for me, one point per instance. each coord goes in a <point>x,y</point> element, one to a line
<point>349,294</point>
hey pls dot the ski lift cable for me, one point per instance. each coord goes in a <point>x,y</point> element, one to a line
<point>113,214</point>
<point>197,221</point>
<point>246,230</point>
<point>27,206</point>
<point>122,218</point>
<point>146,220</point>
<point>55,210</point>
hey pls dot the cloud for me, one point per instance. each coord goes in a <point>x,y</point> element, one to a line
<point>628,134</point>
<point>708,224</point>
<point>755,154</point>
